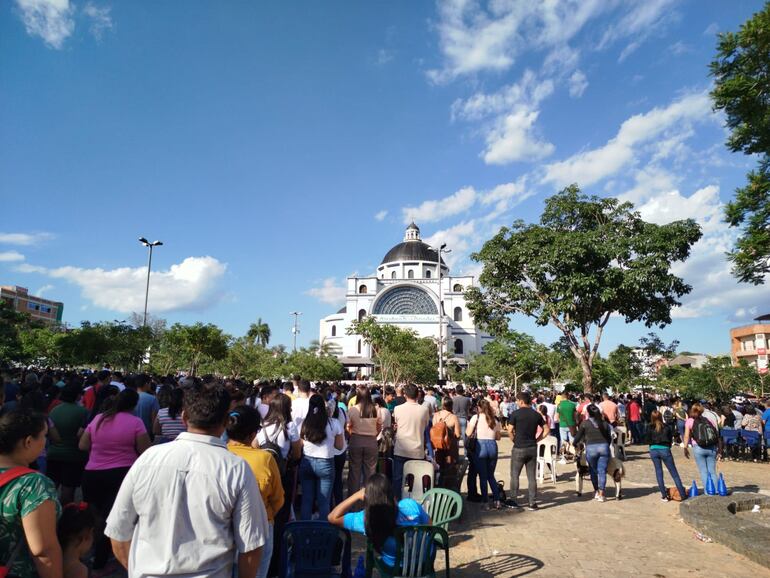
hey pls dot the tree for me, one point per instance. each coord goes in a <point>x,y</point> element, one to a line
<point>399,354</point>
<point>10,323</point>
<point>741,72</point>
<point>189,347</point>
<point>588,258</point>
<point>259,333</point>
<point>626,365</point>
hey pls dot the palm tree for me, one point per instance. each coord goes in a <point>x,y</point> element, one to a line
<point>259,333</point>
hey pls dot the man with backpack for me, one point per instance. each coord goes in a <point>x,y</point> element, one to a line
<point>701,432</point>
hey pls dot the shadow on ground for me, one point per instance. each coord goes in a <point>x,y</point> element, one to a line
<point>500,566</point>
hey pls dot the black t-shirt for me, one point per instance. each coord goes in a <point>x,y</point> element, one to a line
<point>525,422</point>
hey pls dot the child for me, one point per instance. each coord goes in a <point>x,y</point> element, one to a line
<point>76,536</point>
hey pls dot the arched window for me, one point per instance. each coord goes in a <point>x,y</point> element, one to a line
<point>334,331</point>
<point>362,289</point>
<point>359,347</point>
<point>457,288</point>
<point>458,314</point>
<point>361,314</point>
<point>393,275</point>
<point>458,346</point>
<point>427,273</point>
<point>410,274</point>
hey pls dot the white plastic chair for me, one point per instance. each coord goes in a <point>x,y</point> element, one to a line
<point>622,429</point>
<point>546,456</point>
<point>418,469</point>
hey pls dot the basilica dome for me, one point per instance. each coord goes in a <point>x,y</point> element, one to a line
<point>411,249</point>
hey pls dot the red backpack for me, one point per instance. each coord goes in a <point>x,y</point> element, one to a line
<point>6,478</point>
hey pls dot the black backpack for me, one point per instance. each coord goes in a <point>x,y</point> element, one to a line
<point>270,446</point>
<point>668,416</point>
<point>704,433</point>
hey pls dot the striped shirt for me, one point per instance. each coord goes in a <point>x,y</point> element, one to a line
<point>170,427</point>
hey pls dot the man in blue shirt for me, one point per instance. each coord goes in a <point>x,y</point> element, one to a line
<point>148,405</point>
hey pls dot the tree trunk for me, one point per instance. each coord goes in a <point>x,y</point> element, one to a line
<point>588,380</point>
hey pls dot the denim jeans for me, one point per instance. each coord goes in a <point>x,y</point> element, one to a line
<point>565,434</point>
<point>267,552</point>
<point>398,474</point>
<point>680,428</point>
<point>706,460</point>
<point>316,478</point>
<point>521,457</point>
<point>660,457</point>
<point>486,461</point>
<point>598,456</point>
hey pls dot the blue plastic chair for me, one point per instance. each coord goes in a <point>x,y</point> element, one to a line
<point>731,441</point>
<point>315,549</point>
<point>752,440</point>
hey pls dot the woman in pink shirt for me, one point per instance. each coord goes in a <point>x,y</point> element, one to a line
<point>114,439</point>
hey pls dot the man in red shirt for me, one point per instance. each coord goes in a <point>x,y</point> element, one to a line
<point>89,395</point>
<point>635,421</point>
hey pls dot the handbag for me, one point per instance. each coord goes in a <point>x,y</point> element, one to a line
<point>472,442</point>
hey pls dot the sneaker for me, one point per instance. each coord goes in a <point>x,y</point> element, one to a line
<point>601,499</point>
<point>665,499</point>
<point>532,508</point>
<point>512,504</point>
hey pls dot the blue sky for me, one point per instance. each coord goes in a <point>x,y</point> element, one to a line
<point>276,148</point>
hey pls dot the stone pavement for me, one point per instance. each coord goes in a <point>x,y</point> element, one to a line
<point>575,536</point>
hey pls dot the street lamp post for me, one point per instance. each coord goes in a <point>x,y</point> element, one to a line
<point>441,249</point>
<point>149,245</point>
<point>295,329</point>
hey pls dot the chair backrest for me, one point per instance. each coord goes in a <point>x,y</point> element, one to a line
<point>750,437</point>
<point>417,549</point>
<point>443,506</point>
<point>315,549</point>
<point>546,448</point>
<point>418,469</point>
<point>621,436</point>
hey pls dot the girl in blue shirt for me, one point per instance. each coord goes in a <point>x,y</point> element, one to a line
<point>380,516</point>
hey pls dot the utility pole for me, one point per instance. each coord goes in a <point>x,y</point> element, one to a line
<point>295,329</point>
<point>441,249</point>
<point>150,246</point>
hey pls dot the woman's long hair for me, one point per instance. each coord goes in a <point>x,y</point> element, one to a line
<point>486,408</point>
<point>126,401</point>
<point>364,402</point>
<point>380,510</point>
<point>595,417</point>
<point>175,403</point>
<point>656,420</point>
<point>316,420</point>
<point>279,412</point>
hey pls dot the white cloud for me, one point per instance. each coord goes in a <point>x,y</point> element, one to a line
<point>10,256</point>
<point>679,48</point>
<point>436,210</point>
<point>24,238</point>
<point>44,289</point>
<point>329,292</point>
<point>711,29</point>
<point>642,20</point>
<point>384,56</point>
<point>511,136</point>
<point>715,291</point>
<point>100,18</point>
<point>460,238</point>
<point>591,166</point>
<point>514,139</point>
<point>380,216</point>
<point>192,285</point>
<point>51,20</point>
<point>475,36</point>
<point>577,84</point>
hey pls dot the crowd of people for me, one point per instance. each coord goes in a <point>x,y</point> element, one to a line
<point>198,476</point>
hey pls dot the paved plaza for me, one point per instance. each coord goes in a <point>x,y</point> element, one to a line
<point>574,536</point>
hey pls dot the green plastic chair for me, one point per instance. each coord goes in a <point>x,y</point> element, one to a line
<point>415,553</point>
<point>443,506</point>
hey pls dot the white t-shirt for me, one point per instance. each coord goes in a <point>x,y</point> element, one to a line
<point>326,448</point>
<point>383,413</point>
<point>263,408</point>
<point>342,419</point>
<point>279,438</point>
<point>299,407</point>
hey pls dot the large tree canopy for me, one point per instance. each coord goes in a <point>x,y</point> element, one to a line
<point>741,73</point>
<point>589,257</point>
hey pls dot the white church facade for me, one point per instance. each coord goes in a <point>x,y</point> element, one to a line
<point>405,292</point>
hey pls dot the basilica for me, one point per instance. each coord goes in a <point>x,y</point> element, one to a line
<point>405,291</point>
